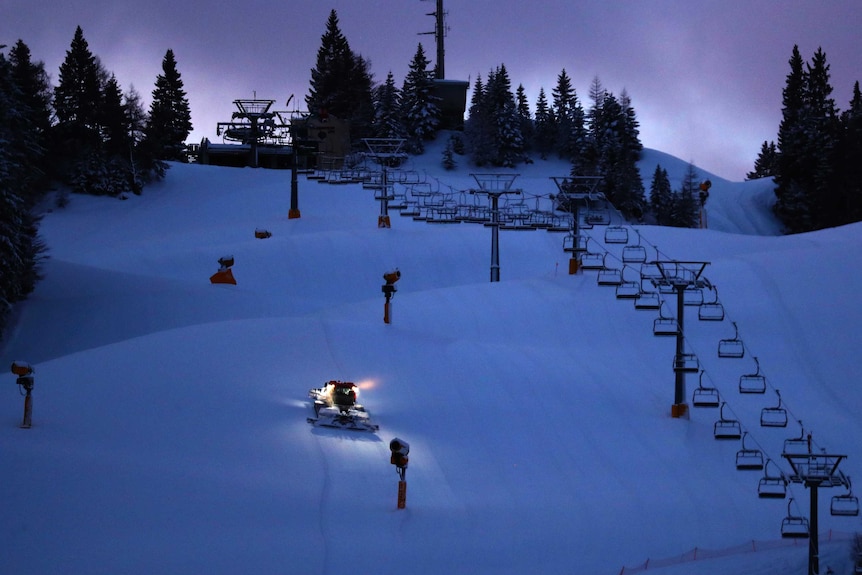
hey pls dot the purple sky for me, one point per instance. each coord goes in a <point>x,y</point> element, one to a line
<point>705,77</point>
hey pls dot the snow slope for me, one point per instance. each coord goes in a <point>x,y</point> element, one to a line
<point>170,431</point>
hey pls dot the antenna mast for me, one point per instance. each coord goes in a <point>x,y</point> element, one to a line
<point>439,33</point>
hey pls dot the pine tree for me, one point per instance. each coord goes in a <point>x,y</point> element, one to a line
<point>526,120</point>
<point>478,129</point>
<point>565,104</point>
<point>685,211</point>
<point>114,120</point>
<point>20,247</point>
<point>387,110</point>
<point>502,113</point>
<point>823,128</point>
<point>169,122</point>
<point>545,126</point>
<point>420,113</point>
<point>31,143</point>
<point>849,153</point>
<point>661,197</point>
<point>341,82</point>
<point>764,165</point>
<point>77,101</point>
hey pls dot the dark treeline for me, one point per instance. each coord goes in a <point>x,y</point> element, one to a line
<point>85,134</point>
<point>817,162</point>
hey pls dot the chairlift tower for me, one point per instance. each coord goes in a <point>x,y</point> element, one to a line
<point>386,152</point>
<point>681,276</point>
<point>494,186</point>
<point>575,193</point>
<point>252,111</point>
<point>815,470</point>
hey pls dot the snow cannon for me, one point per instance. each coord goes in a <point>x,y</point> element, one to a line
<point>389,290</point>
<point>25,380</point>
<point>400,449</point>
<point>224,275</point>
<point>262,234</point>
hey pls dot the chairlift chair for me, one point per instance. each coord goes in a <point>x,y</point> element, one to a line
<point>628,289</point>
<point>711,310</point>
<point>747,458</point>
<point>753,382</point>
<point>845,505</point>
<point>592,261</point>
<point>774,416</point>
<point>798,445</point>
<point>609,276</point>
<point>650,271</point>
<point>616,235</point>
<point>704,396</point>
<point>574,243</point>
<point>665,325</point>
<point>692,295</point>
<point>732,347</point>
<point>772,486</point>
<point>686,363</point>
<point>726,428</point>
<point>634,253</point>
<point>648,300</point>
<point>794,526</point>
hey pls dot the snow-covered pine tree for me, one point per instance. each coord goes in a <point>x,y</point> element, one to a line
<point>685,210</point>
<point>420,112</point>
<point>170,121</point>
<point>508,142</point>
<point>478,128</point>
<point>565,102</point>
<point>823,126</point>
<point>387,110</point>
<point>35,92</point>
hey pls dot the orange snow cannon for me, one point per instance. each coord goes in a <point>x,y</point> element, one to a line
<point>224,275</point>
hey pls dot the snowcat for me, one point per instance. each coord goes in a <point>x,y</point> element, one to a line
<point>335,405</point>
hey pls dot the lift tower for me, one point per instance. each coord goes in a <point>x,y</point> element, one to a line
<point>816,470</point>
<point>439,33</point>
<point>494,186</point>
<point>680,276</point>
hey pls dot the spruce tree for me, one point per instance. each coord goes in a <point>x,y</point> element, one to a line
<point>387,110</point>
<point>502,115</point>
<point>170,121</point>
<point>545,127</point>
<point>420,113</point>
<point>478,128</point>
<point>849,167</point>
<point>661,197</point>
<point>526,120</point>
<point>765,164</point>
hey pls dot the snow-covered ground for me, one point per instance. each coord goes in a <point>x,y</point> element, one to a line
<point>169,421</point>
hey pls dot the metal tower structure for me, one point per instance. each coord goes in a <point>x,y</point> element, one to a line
<point>494,186</point>
<point>439,33</point>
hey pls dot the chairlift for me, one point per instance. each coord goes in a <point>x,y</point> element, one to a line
<point>609,276</point>
<point>748,458</point>
<point>692,295</point>
<point>774,416</point>
<point>794,526</point>
<point>732,347</point>
<point>711,310</point>
<point>635,253</point>
<point>772,486</point>
<point>650,271</point>
<point>798,445</point>
<point>704,396</point>
<point>648,300</point>
<point>665,325</point>
<point>574,243</point>
<point>686,363</point>
<point>616,235</point>
<point>726,428</point>
<point>628,289</point>
<point>753,382</point>
<point>846,504</point>
<point>592,261</point>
